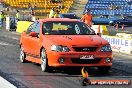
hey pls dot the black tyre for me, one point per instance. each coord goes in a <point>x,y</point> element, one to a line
<point>22,55</point>
<point>44,61</point>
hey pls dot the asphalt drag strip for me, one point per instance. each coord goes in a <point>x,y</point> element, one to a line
<point>13,82</point>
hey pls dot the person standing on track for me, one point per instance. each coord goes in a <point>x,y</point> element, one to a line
<point>87,18</point>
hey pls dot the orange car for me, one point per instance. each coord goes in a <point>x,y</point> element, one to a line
<point>63,42</point>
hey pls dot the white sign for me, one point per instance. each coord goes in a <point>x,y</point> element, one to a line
<point>120,44</point>
<point>7,23</point>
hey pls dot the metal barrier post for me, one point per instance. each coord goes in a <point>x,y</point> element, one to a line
<point>33,18</point>
<point>8,23</point>
<point>0,23</point>
<point>116,26</point>
<point>122,26</point>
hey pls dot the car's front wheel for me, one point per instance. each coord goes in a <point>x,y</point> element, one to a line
<point>44,61</point>
<point>22,55</point>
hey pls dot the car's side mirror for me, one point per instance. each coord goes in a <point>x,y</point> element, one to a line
<point>33,34</point>
<point>99,34</point>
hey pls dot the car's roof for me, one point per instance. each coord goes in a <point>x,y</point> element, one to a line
<point>58,19</point>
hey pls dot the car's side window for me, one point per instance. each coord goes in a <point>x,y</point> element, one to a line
<point>30,28</point>
<point>35,27</point>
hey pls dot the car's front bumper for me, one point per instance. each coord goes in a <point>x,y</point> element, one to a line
<point>73,59</point>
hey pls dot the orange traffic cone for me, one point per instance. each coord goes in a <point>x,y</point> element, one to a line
<point>117,26</point>
<point>98,31</point>
<point>123,27</point>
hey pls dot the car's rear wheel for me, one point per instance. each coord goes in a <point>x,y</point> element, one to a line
<point>22,55</point>
<point>44,61</point>
<point>104,68</point>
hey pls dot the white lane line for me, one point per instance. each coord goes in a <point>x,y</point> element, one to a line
<point>5,44</point>
<point>5,84</point>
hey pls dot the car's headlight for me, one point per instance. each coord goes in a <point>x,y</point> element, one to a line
<point>106,48</point>
<point>60,48</point>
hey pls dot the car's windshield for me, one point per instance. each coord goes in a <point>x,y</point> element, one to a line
<point>71,16</point>
<point>66,28</point>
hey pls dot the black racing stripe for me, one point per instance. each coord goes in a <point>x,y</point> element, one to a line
<point>32,55</point>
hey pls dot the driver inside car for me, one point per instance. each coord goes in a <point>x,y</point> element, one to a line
<point>47,28</point>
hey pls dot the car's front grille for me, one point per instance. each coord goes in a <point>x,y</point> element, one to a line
<point>85,61</point>
<point>85,49</point>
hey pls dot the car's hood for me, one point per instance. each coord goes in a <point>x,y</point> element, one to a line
<point>76,40</point>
